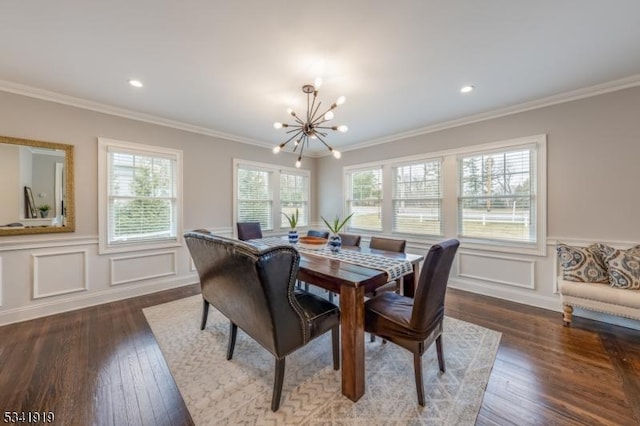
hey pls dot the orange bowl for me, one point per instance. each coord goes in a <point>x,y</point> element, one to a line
<point>312,243</point>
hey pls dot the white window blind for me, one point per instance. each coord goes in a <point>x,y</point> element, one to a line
<point>255,196</point>
<point>142,196</point>
<point>294,194</point>
<point>498,195</point>
<point>365,199</point>
<point>417,198</point>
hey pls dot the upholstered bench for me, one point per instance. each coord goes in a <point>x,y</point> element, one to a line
<point>598,297</point>
<point>599,278</point>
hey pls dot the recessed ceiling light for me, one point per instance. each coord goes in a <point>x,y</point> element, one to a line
<point>467,89</point>
<point>135,83</point>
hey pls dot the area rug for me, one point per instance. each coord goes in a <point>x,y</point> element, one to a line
<point>217,391</point>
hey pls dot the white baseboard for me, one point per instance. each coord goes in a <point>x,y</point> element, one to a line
<point>525,297</point>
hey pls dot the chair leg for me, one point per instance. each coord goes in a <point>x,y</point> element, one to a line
<point>372,338</point>
<point>417,366</point>
<point>233,331</point>
<point>331,296</point>
<point>306,286</point>
<point>335,346</point>
<point>277,384</point>
<point>205,314</point>
<point>439,350</point>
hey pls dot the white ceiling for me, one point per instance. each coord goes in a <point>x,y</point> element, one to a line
<point>232,68</point>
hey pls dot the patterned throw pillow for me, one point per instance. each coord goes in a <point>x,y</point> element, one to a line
<point>623,266</point>
<point>582,264</point>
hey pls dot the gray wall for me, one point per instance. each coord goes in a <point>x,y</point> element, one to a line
<point>207,160</point>
<point>593,154</point>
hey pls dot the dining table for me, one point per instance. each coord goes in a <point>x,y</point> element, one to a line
<point>352,273</point>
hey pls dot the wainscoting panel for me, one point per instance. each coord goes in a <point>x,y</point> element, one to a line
<point>61,272</point>
<point>498,269</point>
<point>1,289</point>
<point>137,267</point>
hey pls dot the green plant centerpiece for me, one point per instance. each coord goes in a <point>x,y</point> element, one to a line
<point>293,223</point>
<point>44,210</point>
<point>335,242</point>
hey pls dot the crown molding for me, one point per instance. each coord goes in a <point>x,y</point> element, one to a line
<point>587,92</point>
<point>33,92</point>
<point>599,89</point>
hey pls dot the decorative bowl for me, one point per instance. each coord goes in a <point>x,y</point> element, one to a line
<point>312,243</point>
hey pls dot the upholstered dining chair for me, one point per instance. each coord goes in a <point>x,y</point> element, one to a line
<point>314,233</point>
<point>249,230</point>
<point>254,289</point>
<point>388,244</point>
<point>351,240</point>
<point>415,323</point>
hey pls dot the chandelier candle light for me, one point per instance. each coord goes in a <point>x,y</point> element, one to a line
<point>312,125</point>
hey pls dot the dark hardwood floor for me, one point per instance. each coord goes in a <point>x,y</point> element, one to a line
<point>102,365</point>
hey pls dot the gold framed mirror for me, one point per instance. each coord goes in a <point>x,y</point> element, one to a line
<point>36,187</point>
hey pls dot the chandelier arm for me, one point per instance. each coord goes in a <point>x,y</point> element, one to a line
<point>290,139</point>
<point>300,142</point>
<point>313,114</point>
<point>302,147</point>
<point>325,144</point>
<point>321,116</point>
<point>294,128</point>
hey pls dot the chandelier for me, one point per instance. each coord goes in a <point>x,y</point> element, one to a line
<point>312,125</point>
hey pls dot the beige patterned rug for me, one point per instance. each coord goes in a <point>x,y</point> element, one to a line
<point>218,391</point>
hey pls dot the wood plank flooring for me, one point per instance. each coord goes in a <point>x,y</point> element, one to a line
<point>102,365</point>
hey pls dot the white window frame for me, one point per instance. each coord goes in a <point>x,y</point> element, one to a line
<point>395,198</point>
<point>538,145</point>
<point>348,191</point>
<point>104,245</point>
<point>450,188</point>
<point>274,183</point>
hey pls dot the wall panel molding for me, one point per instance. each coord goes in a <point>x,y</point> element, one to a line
<point>139,267</point>
<point>60,272</point>
<point>40,243</point>
<point>75,301</point>
<point>503,270</point>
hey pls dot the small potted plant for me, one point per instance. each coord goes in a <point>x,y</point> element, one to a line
<point>44,210</point>
<point>335,242</point>
<point>293,223</point>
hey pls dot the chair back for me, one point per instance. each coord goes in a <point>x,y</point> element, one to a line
<point>388,244</point>
<point>350,240</point>
<point>314,233</point>
<point>252,287</point>
<point>428,305</point>
<point>249,230</point>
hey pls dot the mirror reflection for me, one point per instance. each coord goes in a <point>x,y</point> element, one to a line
<point>36,188</point>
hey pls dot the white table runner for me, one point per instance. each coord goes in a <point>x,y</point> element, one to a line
<point>395,268</point>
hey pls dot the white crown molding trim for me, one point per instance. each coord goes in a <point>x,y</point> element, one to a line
<point>587,92</point>
<point>33,92</point>
<point>598,89</point>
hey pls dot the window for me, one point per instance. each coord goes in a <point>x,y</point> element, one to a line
<point>264,191</point>
<point>365,199</point>
<point>255,199</point>
<point>140,202</point>
<point>498,195</point>
<point>417,198</point>
<point>490,196</point>
<point>294,194</point>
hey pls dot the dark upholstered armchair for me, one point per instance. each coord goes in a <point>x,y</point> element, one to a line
<point>249,230</point>
<point>254,288</point>
<point>416,323</point>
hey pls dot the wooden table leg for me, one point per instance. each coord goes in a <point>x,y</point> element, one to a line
<point>352,326</point>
